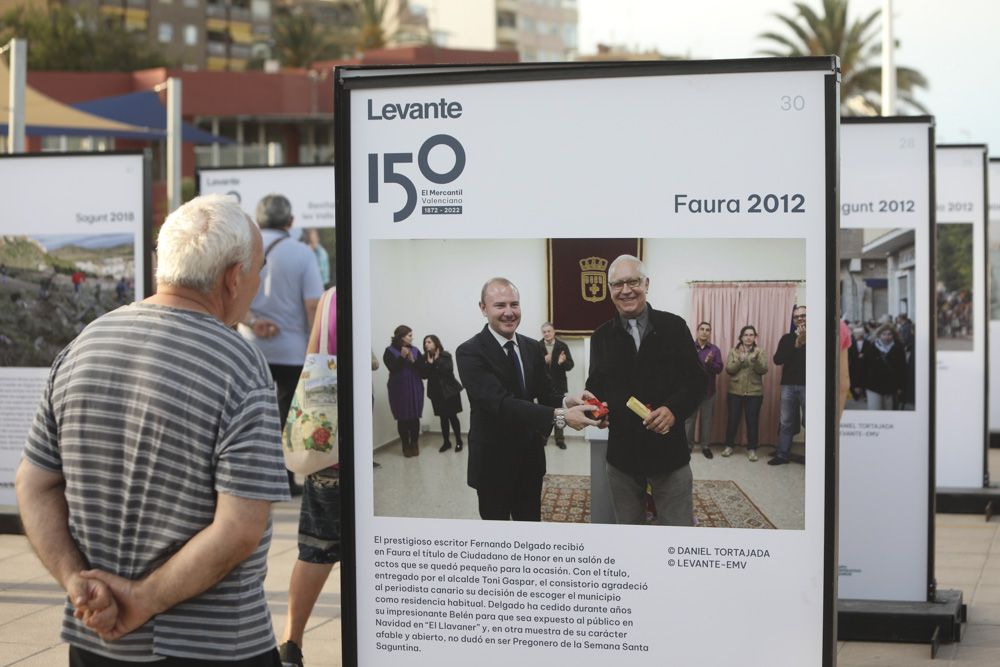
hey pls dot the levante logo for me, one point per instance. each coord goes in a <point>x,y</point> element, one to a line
<point>415,110</point>
<point>396,169</point>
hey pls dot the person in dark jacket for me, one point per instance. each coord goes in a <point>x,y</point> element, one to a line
<point>512,405</point>
<point>791,356</point>
<point>443,389</point>
<point>558,361</point>
<point>406,389</point>
<point>885,370</point>
<point>648,355</point>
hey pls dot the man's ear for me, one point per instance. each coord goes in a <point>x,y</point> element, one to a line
<point>231,279</point>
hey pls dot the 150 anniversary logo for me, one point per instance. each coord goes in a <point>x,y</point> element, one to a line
<point>395,169</point>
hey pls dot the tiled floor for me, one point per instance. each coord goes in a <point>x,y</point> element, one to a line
<point>967,554</point>
<point>434,484</point>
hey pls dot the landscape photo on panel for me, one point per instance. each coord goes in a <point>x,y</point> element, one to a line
<point>52,286</point>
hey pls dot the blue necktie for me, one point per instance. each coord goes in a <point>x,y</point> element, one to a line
<point>512,355</point>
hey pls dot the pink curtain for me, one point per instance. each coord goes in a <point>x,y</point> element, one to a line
<point>728,306</point>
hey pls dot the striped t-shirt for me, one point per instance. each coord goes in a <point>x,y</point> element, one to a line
<point>148,414</point>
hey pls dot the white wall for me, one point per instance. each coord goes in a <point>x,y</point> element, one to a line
<point>673,262</point>
<point>433,286</point>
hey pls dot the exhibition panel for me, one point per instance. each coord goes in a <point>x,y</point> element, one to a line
<point>74,244</point>
<point>887,296</point>
<point>962,432</point>
<point>451,185</point>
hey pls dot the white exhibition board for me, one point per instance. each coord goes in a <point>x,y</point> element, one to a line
<point>962,373</point>
<point>993,182</point>
<point>582,153</point>
<point>310,189</point>
<point>62,214</point>
<point>885,454</point>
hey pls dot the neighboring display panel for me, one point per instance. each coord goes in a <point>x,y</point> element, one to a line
<point>962,311</point>
<point>993,183</point>
<point>309,188</point>
<point>74,244</point>
<point>886,433</point>
<point>478,168</point>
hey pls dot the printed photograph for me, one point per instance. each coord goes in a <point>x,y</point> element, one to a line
<point>689,345</point>
<point>954,286</point>
<point>52,286</point>
<point>879,304</point>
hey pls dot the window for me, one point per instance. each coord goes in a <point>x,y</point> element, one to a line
<point>166,33</point>
<point>190,34</point>
<point>506,19</point>
<point>260,10</point>
<point>569,35</point>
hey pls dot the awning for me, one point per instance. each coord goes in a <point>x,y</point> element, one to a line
<point>144,108</point>
<point>45,116</point>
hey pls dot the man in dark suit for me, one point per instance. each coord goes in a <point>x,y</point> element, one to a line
<point>558,361</point>
<point>504,375</point>
<point>650,355</point>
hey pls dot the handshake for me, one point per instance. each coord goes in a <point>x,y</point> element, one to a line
<point>585,409</point>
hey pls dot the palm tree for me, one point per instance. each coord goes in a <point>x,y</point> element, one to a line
<point>371,15</point>
<point>300,40</point>
<point>858,46</point>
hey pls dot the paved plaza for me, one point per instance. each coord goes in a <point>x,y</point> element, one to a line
<point>968,559</point>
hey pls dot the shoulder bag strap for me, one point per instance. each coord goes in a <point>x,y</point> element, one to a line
<point>270,246</point>
<point>324,323</point>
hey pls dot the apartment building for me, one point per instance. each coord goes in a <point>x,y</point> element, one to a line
<point>539,30</point>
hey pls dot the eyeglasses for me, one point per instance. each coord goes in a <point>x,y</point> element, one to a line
<point>617,285</point>
<point>798,317</point>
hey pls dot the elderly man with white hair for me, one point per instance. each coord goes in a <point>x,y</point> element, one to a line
<point>149,472</point>
<point>646,357</point>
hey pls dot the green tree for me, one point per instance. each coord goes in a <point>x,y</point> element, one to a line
<point>371,15</point>
<point>65,38</point>
<point>300,39</point>
<point>859,46</point>
<point>332,30</point>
